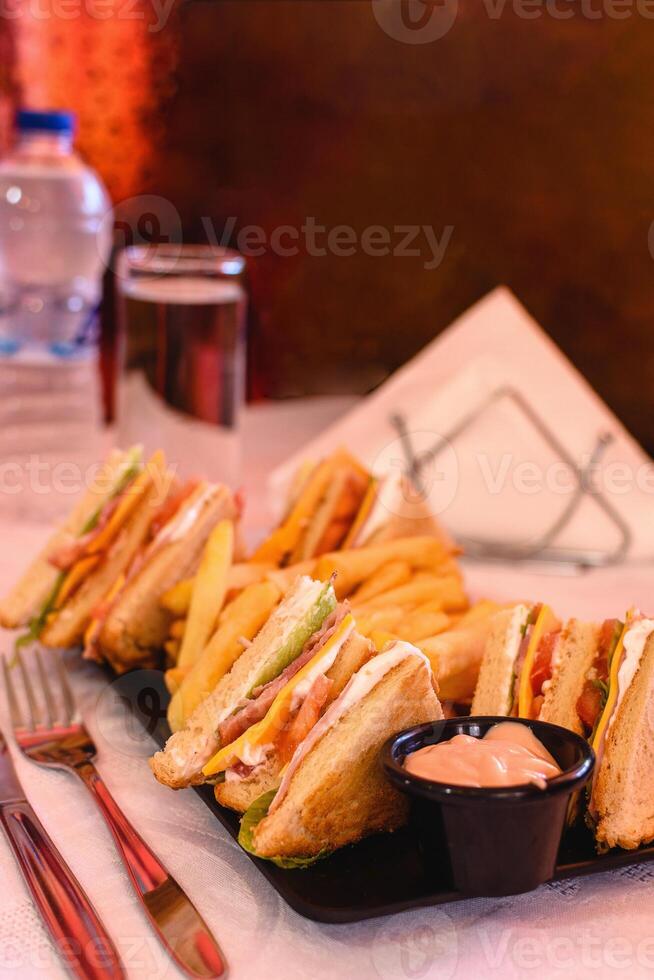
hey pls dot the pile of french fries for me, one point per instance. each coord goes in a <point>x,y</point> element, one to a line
<point>408,588</point>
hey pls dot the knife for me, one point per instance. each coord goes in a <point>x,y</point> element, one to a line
<point>76,930</point>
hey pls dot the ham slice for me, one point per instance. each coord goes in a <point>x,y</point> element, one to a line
<point>255,708</point>
<point>66,555</point>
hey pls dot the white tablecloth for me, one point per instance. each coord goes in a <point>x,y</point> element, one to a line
<point>591,927</point>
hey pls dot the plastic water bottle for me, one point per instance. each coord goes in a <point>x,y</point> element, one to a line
<point>54,245</point>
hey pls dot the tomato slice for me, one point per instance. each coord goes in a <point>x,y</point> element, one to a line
<point>305,719</point>
<point>542,666</point>
<point>589,704</point>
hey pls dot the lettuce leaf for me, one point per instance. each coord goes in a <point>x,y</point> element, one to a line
<point>37,623</point>
<point>128,472</point>
<point>304,630</point>
<point>252,817</point>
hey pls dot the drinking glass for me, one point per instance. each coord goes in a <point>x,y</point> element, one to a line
<point>181,312</point>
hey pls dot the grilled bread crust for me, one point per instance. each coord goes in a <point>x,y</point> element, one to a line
<point>240,794</point>
<point>623,795</point>
<point>137,625</point>
<point>339,793</point>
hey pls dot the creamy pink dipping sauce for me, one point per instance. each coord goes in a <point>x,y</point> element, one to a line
<point>509,754</point>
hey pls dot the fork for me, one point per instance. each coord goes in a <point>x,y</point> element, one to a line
<point>53,734</point>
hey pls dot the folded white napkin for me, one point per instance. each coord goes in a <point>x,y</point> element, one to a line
<point>488,393</point>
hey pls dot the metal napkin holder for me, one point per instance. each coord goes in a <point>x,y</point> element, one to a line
<point>542,550</point>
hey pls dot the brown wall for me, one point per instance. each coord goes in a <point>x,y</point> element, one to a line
<point>533,139</point>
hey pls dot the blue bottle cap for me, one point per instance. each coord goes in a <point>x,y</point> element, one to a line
<point>46,121</point>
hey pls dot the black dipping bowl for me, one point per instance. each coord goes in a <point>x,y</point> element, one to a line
<point>501,841</point>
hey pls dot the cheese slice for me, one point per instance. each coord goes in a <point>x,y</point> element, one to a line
<point>123,512</point>
<point>264,732</point>
<point>75,577</point>
<point>286,538</point>
<point>546,621</point>
<point>364,512</point>
<point>97,621</point>
<point>128,504</point>
<point>614,688</point>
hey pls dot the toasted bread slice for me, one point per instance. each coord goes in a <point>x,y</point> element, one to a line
<point>493,691</point>
<point>574,656</point>
<point>393,508</point>
<point>188,749</point>
<point>137,625</point>
<point>35,586</point>
<point>623,793</point>
<point>335,514</point>
<point>239,794</point>
<point>338,793</point>
<point>66,627</point>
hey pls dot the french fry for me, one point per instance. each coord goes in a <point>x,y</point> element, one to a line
<point>387,577</point>
<point>247,614</point>
<point>353,566</point>
<point>173,679</point>
<point>379,638</point>
<point>177,600</point>
<point>448,591</point>
<point>455,657</point>
<point>177,628</point>
<point>172,649</point>
<point>285,577</point>
<point>209,593</point>
<point>246,573</point>
<point>379,619</point>
<point>448,566</point>
<point>418,625</point>
<point>480,610</point>
<point>434,606</point>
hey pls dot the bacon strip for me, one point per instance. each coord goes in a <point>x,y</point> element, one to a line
<point>68,554</point>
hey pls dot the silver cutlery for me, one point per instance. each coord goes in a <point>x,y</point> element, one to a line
<point>51,732</point>
<point>77,932</point>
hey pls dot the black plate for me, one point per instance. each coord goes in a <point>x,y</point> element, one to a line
<point>378,876</point>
